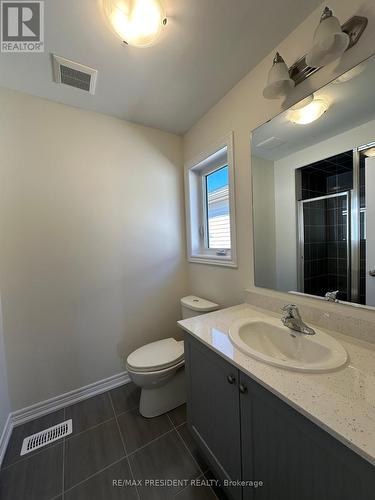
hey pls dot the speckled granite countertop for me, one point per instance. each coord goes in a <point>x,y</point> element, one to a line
<point>342,402</point>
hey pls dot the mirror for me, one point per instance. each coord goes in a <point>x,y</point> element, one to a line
<point>313,170</point>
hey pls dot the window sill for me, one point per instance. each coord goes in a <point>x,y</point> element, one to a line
<point>213,260</point>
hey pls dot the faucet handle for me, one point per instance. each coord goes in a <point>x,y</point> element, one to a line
<point>289,308</point>
<point>291,311</point>
<point>332,296</point>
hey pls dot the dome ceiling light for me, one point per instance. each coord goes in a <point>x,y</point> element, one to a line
<point>137,22</point>
<point>330,42</point>
<point>308,113</point>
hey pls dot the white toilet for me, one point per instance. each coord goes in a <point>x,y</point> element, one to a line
<point>158,367</point>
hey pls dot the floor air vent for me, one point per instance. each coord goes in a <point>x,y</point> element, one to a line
<point>74,74</point>
<point>47,436</point>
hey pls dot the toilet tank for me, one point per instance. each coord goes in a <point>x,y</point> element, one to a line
<point>195,306</point>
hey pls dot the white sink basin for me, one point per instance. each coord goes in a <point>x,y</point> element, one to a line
<point>268,340</point>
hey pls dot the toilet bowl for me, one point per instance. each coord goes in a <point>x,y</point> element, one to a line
<point>158,368</point>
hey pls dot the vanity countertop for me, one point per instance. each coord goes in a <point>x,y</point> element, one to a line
<point>342,402</point>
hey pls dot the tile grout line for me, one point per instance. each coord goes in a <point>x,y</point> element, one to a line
<point>190,453</point>
<point>36,452</point>
<point>189,485</point>
<point>185,445</point>
<point>118,426</point>
<point>52,445</point>
<point>72,436</point>
<point>124,447</point>
<point>125,411</point>
<point>95,474</point>
<point>150,442</point>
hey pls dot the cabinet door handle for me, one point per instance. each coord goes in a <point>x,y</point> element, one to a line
<point>243,388</point>
<point>231,379</point>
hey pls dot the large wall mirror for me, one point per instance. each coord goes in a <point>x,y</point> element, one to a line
<point>314,193</point>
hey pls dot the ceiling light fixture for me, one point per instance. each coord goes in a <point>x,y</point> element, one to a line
<point>330,42</point>
<point>304,102</point>
<point>370,153</point>
<point>309,113</point>
<point>137,22</point>
<point>278,82</point>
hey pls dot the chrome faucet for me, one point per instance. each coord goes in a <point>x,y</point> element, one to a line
<point>292,319</point>
<point>331,296</point>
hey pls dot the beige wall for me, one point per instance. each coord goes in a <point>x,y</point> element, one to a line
<point>242,110</point>
<point>92,261</point>
<point>264,222</point>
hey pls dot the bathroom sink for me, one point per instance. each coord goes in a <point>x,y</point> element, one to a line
<point>268,340</point>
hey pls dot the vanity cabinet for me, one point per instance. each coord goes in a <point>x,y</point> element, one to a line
<point>247,433</point>
<point>213,410</point>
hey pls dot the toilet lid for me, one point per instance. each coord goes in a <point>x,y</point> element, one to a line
<point>157,355</point>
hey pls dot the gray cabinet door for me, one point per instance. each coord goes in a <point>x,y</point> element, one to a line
<point>213,411</point>
<point>294,458</point>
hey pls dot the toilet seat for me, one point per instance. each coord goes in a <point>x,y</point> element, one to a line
<point>157,356</point>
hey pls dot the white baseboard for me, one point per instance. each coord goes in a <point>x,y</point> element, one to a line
<point>39,409</point>
<point>5,436</point>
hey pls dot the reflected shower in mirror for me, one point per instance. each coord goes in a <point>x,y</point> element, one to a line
<point>313,170</point>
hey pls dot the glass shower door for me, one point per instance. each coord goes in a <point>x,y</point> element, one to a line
<point>324,245</point>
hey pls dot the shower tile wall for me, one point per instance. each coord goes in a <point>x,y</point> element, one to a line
<point>315,253</point>
<point>325,224</point>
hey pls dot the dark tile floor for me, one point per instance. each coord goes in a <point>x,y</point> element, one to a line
<point>111,442</point>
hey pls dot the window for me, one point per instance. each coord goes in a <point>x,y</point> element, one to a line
<point>210,206</point>
<point>217,220</point>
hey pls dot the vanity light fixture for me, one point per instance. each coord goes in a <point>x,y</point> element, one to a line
<point>308,113</point>
<point>137,22</point>
<point>330,41</point>
<point>279,81</point>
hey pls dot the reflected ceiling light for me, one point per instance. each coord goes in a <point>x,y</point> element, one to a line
<point>369,152</point>
<point>330,42</point>
<point>136,22</point>
<point>303,103</point>
<point>278,81</point>
<point>309,113</point>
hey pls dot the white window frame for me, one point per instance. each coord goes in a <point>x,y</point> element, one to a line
<point>196,171</point>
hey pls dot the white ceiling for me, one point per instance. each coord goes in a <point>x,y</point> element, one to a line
<point>351,103</point>
<point>206,48</point>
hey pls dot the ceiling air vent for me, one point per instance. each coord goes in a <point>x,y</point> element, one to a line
<point>74,74</point>
<point>271,143</point>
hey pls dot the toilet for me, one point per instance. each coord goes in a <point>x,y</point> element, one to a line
<point>158,368</point>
